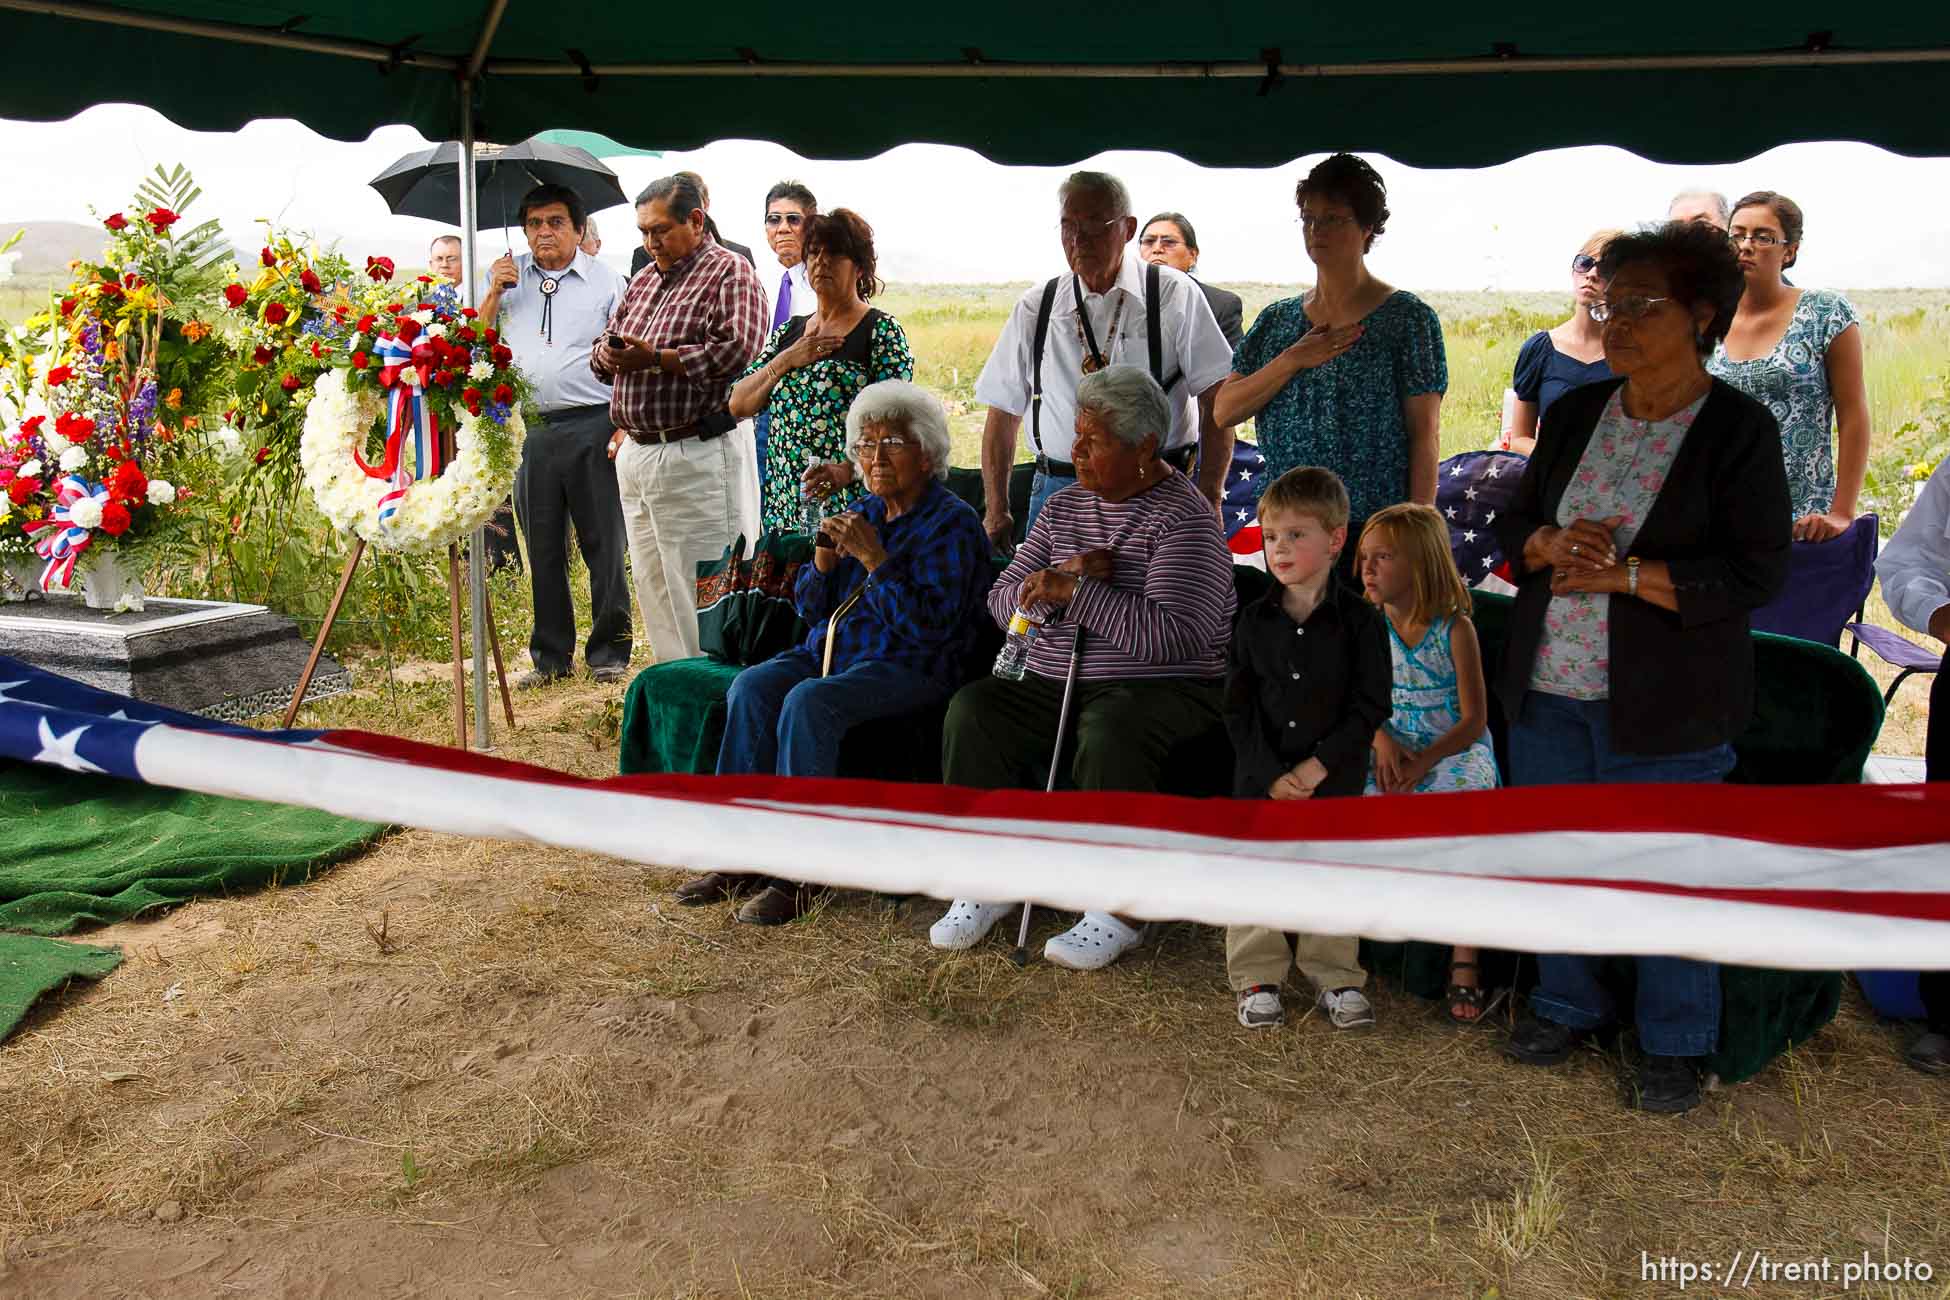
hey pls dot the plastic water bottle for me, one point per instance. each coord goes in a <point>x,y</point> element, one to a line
<point>814,508</point>
<point>1013,662</point>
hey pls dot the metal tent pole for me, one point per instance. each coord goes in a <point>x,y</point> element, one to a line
<point>470,273</point>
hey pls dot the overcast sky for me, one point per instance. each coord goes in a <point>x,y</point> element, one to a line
<point>947,214</point>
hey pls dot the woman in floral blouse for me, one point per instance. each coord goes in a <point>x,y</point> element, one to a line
<point>1652,519</point>
<point>1800,353</point>
<point>811,369</point>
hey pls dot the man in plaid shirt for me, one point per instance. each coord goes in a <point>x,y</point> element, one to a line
<point>685,470</point>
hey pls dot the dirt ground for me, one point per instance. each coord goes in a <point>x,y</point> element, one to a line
<point>455,1068</point>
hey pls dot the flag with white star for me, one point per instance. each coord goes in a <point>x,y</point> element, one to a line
<point>1471,490</point>
<point>1243,484</point>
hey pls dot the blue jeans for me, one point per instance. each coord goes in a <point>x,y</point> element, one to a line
<point>1561,741</point>
<point>1041,490</point>
<point>782,718</point>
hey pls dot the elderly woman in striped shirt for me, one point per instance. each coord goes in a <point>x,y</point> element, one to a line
<point>1132,560</point>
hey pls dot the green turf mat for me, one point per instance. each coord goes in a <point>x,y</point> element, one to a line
<point>30,967</point>
<point>78,850</point>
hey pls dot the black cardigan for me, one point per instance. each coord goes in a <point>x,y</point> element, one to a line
<point>1679,681</point>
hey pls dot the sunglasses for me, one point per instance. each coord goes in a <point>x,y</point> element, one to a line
<point>1584,264</point>
<point>792,219</point>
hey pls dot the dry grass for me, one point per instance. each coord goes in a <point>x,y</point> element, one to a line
<point>551,1082</point>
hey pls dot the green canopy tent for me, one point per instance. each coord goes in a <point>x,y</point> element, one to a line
<point>1233,82</point>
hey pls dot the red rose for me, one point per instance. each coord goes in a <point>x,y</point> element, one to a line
<point>366,323</point>
<point>491,335</point>
<point>129,483</point>
<point>262,355</point>
<point>31,426</point>
<point>407,328</point>
<point>116,222</point>
<point>263,454</point>
<point>162,219</point>
<point>131,280</point>
<point>289,383</point>
<point>75,428</point>
<point>309,279</point>
<point>360,361</point>
<point>275,313</point>
<point>503,356</point>
<point>268,257</point>
<point>236,295</point>
<point>115,519</point>
<point>379,268</point>
<point>472,396</point>
<point>466,334</point>
<point>445,378</point>
<point>503,394</point>
<point>67,306</point>
<point>469,312</point>
<point>59,376</point>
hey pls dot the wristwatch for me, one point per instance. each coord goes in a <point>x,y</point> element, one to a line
<point>656,361</point>
<point>1632,575</point>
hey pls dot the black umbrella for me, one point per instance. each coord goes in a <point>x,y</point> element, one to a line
<point>427,183</point>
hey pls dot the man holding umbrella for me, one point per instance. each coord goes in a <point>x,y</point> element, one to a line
<point>551,304</point>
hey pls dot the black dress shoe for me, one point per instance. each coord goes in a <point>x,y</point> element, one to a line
<point>715,887</point>
<point>1930,1053</point>
<point>780,902</point>
<point>1537,1041</point>
<point>1665,1085</point>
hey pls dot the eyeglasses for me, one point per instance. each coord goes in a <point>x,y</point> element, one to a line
<point>869,452</point>
<point>1635,307</point>
<point>1166,242</point>
<point>1325,222</point>
<point>1584,264</point>
<point>792,219</point>
<point>549,223</point>
<point>1076,232</point>
<point>1758,238</point>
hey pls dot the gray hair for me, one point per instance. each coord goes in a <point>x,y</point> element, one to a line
<point>1102,184</point>
<point>1720,203</point>
<point>589,228</point>
<point>1128,401</point>
<point>908,407</point>
<point>678,193</point>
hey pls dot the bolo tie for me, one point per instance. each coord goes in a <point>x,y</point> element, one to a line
<point>549,285</point>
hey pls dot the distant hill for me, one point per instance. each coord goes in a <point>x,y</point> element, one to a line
<point>49,246</point>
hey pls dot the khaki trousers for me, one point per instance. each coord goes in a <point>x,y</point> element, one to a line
<point>683,503</point>
<point>1257,955</point>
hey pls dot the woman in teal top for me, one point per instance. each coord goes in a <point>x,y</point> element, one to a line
<point>1349,375</point>
<point>1799,353</point>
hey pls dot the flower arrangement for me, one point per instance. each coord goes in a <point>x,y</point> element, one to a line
<point>411,435</point>
<point>98,393</point>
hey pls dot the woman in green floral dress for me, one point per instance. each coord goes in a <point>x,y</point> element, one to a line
<point>811,369</point>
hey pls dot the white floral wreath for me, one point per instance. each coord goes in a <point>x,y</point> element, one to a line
<point>434,511</point>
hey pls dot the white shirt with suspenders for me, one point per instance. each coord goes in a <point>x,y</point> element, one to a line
<point>1153,316</point>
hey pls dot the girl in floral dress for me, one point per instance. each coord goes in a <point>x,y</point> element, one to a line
<point>1437,738</point>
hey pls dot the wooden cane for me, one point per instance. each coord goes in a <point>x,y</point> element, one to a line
<point>325,630</point>
<point>500,673</point>
<point>453,636</point>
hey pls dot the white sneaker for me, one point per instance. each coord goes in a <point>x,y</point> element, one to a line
<point>966,924</point>
<point>1347,1008</point>
<point>1259,1007</point>
<point>1092,943</point>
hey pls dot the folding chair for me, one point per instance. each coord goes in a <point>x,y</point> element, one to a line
<point>1898,652</point>
<point>1828,583</point>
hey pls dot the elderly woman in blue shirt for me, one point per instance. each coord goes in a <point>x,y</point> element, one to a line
<point>894,596</point>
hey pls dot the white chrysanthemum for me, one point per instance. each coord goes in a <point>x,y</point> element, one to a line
<point>436,331</point>
<point>85,513</point>
<point>73,459</point>
<point>161,492</point>
<point>424,317</point>
<point>480,370</point>
<point>30,469</point>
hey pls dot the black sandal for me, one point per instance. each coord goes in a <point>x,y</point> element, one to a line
<point>1469,995</point>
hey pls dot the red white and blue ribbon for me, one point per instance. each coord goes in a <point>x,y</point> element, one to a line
<point>58,539</point>
<point>405,370</point>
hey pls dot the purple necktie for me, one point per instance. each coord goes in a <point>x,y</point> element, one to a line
<point>783,312</point>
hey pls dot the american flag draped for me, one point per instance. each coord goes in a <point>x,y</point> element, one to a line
<point>1823,878</point>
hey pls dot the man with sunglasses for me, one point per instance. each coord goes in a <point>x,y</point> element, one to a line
<point>1108,310</point>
